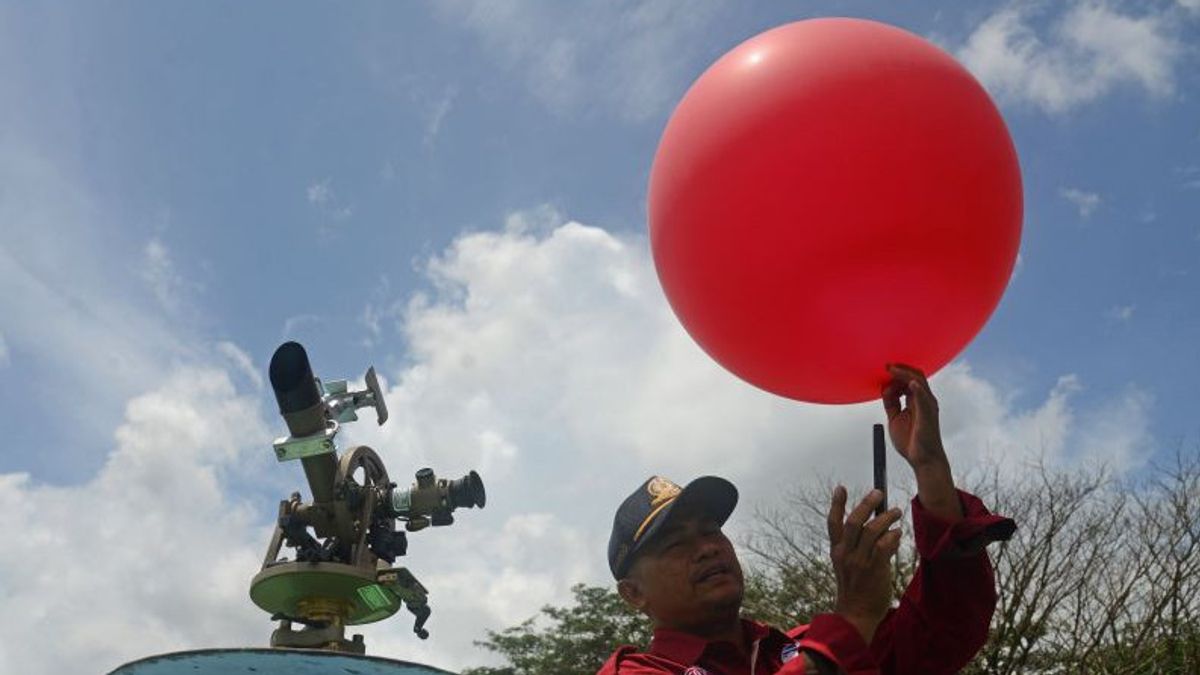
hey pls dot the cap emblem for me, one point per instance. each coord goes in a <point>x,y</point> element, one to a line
<point>661,491</point>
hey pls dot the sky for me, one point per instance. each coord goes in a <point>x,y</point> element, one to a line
<point>455,193</point>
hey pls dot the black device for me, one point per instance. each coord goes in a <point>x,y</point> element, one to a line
<point>880,467</point>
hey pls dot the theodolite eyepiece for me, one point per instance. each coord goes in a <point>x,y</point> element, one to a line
<point>431,500</point>
<point>468,491</point>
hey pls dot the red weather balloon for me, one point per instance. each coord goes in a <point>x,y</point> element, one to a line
<point>831,196</point>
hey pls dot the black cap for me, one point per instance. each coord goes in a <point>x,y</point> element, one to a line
<point>650,506</point>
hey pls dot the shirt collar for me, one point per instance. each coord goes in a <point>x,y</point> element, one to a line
<point>686,648</point>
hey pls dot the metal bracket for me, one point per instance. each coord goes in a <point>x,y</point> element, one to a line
<point>289,448</point>
<point>343,403</point>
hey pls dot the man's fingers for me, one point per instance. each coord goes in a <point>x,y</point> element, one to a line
<point>874,530</point>
<point>887,544</point>
<point>922,395</point>
<point>905,372</point>
<point>913,381</point>
<point>837,515</point>
<point>880,523</point>
<point>858,517</point>
<point>891,398</point>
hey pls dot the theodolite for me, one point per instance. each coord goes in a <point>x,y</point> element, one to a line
<point>345,540</point>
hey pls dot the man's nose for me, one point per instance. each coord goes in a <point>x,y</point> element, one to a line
<point>707,548</point>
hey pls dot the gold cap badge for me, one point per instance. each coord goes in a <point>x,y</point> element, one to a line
<point>662,492</point>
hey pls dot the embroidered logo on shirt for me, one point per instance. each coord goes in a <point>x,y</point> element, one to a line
<point>789,652</point>
<point>695,670</point>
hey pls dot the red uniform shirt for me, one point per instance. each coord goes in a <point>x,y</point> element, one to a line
<point>941,623</point>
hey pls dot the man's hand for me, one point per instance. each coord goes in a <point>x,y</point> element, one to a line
<point>917,435</point>
<point>862,552</point>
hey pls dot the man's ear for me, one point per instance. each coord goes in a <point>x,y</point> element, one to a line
<point>630,591</point>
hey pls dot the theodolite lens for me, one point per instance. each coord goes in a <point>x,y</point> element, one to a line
<point>467,492</point>
<point>292,379</point>
<point>296,390</point>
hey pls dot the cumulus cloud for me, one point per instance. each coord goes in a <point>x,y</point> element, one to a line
<point>541,354</point>
<point>4,357</point>
<point>149,555</point>
<point>1083,55</point>
<point>64,301</point>
<point>1085,202</point>
<point>545,356</point>
<point>629,57</point>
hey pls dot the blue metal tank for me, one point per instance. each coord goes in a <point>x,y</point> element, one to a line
<point>261,661</point>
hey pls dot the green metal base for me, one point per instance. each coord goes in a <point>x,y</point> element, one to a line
<point>281,588</point>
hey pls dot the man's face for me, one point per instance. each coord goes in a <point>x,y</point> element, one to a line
<point>687,576</point>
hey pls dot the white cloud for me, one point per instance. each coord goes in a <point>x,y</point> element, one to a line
<point>1085,202</point>
<point>4,357</point>
<point>383,312</point>
<point>293,325</point>
<point>149,555</point>
<point>1118,432</point>
<point>321,195</point>
<point>65,302</point>
<point>1120,312</point>
<point>242,361</point>
<point>1190,176</point>
<point>1088,52</point>
<point>631,57</point>
<point>545,356</point>
<point>437,114</point>
<point>160,274</point>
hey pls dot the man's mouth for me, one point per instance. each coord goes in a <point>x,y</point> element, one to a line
<point>713,571</point>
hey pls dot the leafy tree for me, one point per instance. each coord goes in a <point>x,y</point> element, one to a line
<point>577,638</point>
<point>1103,576</point>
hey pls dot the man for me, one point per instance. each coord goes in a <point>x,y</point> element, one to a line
<point>673,563</point>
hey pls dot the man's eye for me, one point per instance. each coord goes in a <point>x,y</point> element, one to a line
<point>671,545</point>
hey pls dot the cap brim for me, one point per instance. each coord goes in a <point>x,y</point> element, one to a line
<point>712,496</point>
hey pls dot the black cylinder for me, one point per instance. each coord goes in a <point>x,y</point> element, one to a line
<point>467,492</point>
<point>296,390</point>
<point>292,378</point>
<point>302,409</point>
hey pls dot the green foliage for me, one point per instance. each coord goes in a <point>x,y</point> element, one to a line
<point>791,595</point>
<point>1103,576</point>
<point>571,640</point>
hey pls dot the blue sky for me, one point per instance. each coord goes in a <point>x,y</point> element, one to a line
<point>455,192</point>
